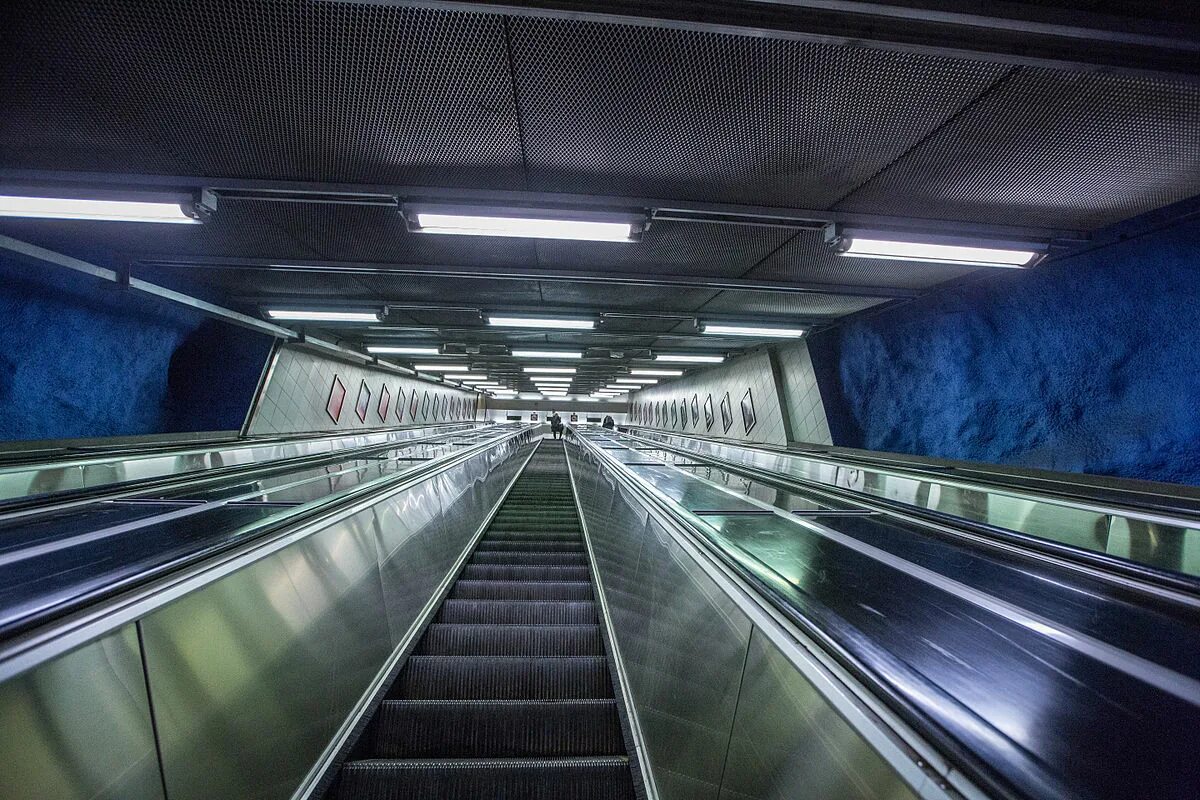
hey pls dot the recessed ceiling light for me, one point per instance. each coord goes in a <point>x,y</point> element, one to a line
<point>524,223</point>
<point>542,322</point>
<point>752,330</point>
<point>933,248</point>
<point>546,354</point>
<point>402,350</point>
<point>303,315</point>
<point>684,358</point>
<point>99,210</point>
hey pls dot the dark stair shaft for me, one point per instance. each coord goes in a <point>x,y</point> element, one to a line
<point>508,693</point>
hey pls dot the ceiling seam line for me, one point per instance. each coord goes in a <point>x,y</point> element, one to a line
<point>516,98</point>
<point>751,268</point>
<point>995,86</point>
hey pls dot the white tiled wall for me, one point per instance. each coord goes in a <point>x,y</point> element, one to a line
<point>297,392</point>
<point>751,372</point>
<point>800,394</point>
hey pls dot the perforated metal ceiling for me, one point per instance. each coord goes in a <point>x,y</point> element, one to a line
<point>372,93</point>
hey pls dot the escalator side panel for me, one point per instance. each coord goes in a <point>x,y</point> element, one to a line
<point>695,665</point>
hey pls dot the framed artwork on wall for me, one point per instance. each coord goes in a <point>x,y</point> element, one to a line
<point>726,412</point>
<point>656,414</point>
<point>385,402</point>
<point>412,407</point>
<point>748,418</point>
<point>708,413</point>
<point>674,415</point>
<point>437,406</point>
<point>695,411</point>
<point>363,403</point>
<point>425,403</point>
<point>337,398</point>
<point>400,398</point>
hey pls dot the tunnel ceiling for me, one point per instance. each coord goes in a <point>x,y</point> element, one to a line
<point>461,102</point>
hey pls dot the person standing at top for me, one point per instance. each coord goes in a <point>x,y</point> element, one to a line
<point>556,426</point>
<point>609,422</point>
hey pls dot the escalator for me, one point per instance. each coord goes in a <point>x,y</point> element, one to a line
<point>508,693</point>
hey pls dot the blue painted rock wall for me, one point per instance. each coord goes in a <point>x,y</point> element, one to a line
<point>1086,364</point>
<point>81,358</point>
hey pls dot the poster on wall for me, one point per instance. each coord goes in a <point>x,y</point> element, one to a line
<point>425,404</point>
<point>337,398</point>
<point>437,406</point>
<point>656,416</point>
<point>385,403</point>
<point>726,412</point>
<point>748,418</point>
<point>400,398</point>
<point>412,407</point>
<point>674,415</point>
<point>695,411</point>
<point>708,413</point>
<point>533,417</point>
<point>364,402</point>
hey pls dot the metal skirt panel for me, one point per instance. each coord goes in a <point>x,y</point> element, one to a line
<point>722,713</point>
<point>252,676</point>
<point>79,727</point>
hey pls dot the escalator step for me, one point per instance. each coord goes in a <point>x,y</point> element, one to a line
<point>604,778</point>
<point>503,678</point>
<point>524,572</point>
<point>531,535</point>
<point>521,590</point>
<point>525,557</point>
<point>516,545</point>
<point>507,612</point>
<point>498,729</point>
<point>511,640</point>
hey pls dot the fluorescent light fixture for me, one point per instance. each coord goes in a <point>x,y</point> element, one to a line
<point>684,358</point>
<point>936,249</point>
<point>552,370</point>
<point>524,223</point>
<point>551,381</point>
<point>587,399</point>
<point>402,350</point>
<point>669,373</point>
<point>547,354</point>
<point>472,378</point>
<point>752,330</point>
<point>543,322</point>
<point>441,367</point>
<point>636,381</point>
<point>102,210</point>
<point>530,396</point>
<point>300,315</point>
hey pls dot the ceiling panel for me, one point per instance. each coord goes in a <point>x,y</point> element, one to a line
<point>651,111</point>
<point>259,88</point>
<point>784,305</point>
<point>1077,150</point>
<point>623,297</point>
<point>671,248</point>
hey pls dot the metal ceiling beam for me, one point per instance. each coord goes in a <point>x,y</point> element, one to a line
<point>242,189</point>
<point>525,274</point>
<point>1009,33</point>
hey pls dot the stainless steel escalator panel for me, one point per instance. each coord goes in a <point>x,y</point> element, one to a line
<point>690,493</point>
<point>789,743</point>
<point>683,642</point>
<point>78,727</point>
<point>411,557</point>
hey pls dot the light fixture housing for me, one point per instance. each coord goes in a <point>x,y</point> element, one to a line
<point>312,315</point>
<point>666,373</point>
<point>760,331</point>
<point>525,223</point>
<point>687,358</point>
<point>402,350</point>
<point>552,370</point>
<point>542,322</point>
<point>934,248</point>
<point>635,381</point>
<point>547,354</point>
<point>100,210</point>
<point>441,367</point>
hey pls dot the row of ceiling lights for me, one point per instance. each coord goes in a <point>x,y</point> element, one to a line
<point>548,223</point>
